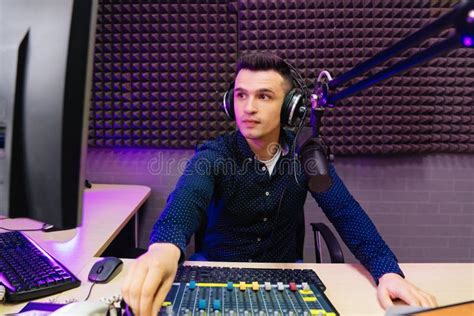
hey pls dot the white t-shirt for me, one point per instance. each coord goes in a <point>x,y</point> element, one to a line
<point>271,163</point>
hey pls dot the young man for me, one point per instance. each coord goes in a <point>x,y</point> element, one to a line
<point>244,185</point>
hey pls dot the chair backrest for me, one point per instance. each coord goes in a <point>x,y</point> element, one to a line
<point>334,249</point>
<point>300,234</point>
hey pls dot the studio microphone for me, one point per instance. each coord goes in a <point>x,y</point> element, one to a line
<point>314,154</point>
<point>314,157</point>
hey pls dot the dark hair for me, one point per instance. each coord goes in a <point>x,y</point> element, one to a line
<point>265,61</point>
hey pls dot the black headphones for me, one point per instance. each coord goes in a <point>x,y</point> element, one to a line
<point>293,104</point>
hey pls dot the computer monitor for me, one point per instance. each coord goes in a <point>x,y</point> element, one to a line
<point>45,90</point>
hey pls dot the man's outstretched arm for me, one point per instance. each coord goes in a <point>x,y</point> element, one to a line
<point>151,276</point>
<point>360,235</point>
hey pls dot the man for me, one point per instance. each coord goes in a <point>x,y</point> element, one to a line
<point>251,203</point>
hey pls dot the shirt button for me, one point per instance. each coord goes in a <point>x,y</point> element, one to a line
<point>264,168</point>
<point>265,219</point>
<point>259,239</point>
<point>267,193</point>
<point>250,260</point>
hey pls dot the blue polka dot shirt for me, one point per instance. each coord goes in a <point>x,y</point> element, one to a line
<point>252,216</point>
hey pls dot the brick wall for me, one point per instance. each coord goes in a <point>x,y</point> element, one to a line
<point>423,205</point>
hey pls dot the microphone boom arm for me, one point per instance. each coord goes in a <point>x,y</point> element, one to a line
<point>461,17</point>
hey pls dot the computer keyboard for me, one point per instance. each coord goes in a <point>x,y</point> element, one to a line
<point>28,272</point>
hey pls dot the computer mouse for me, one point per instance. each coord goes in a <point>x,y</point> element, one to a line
<point>86,308</point>
<point>105,269</point>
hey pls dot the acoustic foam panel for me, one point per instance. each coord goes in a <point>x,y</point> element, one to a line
<point>161,69</point>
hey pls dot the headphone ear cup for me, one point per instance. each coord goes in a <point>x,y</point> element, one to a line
<point>228,104</point>
<point>291,107</point>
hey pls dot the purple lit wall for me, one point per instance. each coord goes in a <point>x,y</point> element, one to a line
<point>422,205</point>
<point>161,70</point>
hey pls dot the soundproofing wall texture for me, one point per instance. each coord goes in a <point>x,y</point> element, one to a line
<point>161,70</point>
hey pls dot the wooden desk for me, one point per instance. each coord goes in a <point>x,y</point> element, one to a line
<point>349,286</point>
<point>106,210</point>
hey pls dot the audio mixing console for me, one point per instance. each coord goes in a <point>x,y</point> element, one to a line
<point>245,291</point>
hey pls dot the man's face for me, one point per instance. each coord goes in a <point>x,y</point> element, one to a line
<point>258,98</point>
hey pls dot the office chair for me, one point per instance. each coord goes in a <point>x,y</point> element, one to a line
<point>334,249</point>
<point>319,229</point>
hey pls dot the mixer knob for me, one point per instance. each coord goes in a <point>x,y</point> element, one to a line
<point>217,305</point>
<point>202,304</point>
<point>305,286</point>
<point>230,286</point>
<point>268,286</point>
<point>293,286</point>
<point>280,286</point>
<point>255,286</point>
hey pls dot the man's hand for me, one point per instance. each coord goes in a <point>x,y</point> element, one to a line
<point>150,278</point>
<point>393,286</point>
